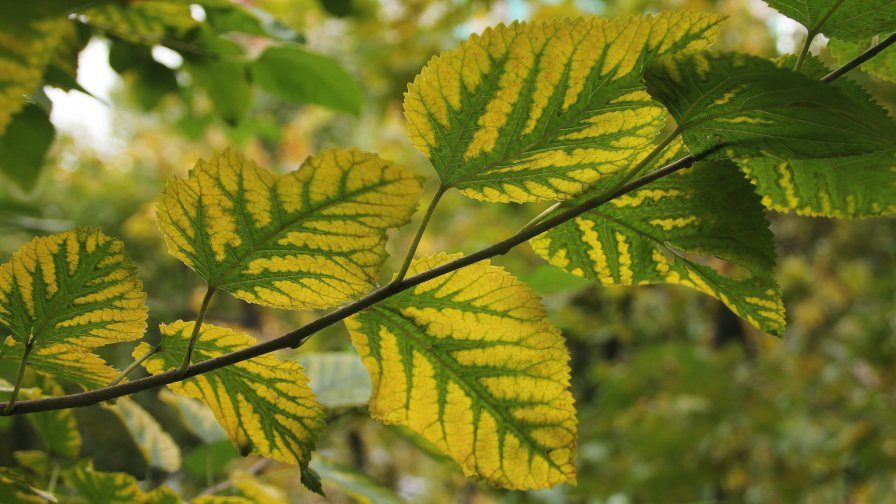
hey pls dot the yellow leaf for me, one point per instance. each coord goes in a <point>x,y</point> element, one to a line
<point>70,293</point>
<point>543,110</point>
<point>313,238</point>
<point>264,404</point>
<point>471,362</point>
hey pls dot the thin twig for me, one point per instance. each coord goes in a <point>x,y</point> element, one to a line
<point>858,60</point>
<point>128,370</point>
<point>29,345</point>
<point>409,257</point>
<point>200,317</point>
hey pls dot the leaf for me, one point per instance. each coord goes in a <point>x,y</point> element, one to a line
<point>882,65</point>
<point>846,19</point>
<point>338,379</point>
<point>106,487</point>
<point>542,110</point>
<point>57,430</point>
<point>196,416</point>
<point>756,108</point>
<point>355,484</point>
<point>843,187</point>
<point>255,490</point>
<point>221,499</point>
<point>220,71</point>
<point>16,488</point>
<point>313,238</point>
<point>470,361</point>
<point>157,447</point>
<point>142,21</point>
<point>653,235</point>
<point>264,404</point>
<point>24,145</point>
<point>25,51</point>
<point>163,495</point>
<point>70,293</point>
<point>297,75</point>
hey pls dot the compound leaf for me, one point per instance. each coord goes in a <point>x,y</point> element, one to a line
<point>654,235</point>
<point>264,404</point>
<point>756,108</point>
<point>470,362</point>
<point>26,48</point>
<point>542,110</point>
<point>313,238</point>
<point>846,19</point>
<point>67,294</point>
<point>157,447</point>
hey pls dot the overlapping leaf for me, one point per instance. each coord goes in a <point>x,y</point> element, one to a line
<point>757,108</point>
<point>146,22</point>
<point>470,362</point>
<point>196,416</point>
<point>883,65</point>
<point>338,379</point>
<point>542,110</point>
<point>157,447</point>
<point>264,404</point>
<point>309,239</point>
<point>26,47</point>
<point>95,486</point>
<point>846,19</point>
<point>69,293</point>
<point>355,484</point>
<point>655,234</point>
<point>57,429</point>
<point>854,186</point>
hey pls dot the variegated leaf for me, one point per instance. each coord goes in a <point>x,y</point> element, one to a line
<point>68,294</point>
<point>846,19</point>
<point>92,486</point>
<point>264,404</point>
<point>470,361</point>
<point>142,21</point>
<point>542,110</point>
<point>313,238</point>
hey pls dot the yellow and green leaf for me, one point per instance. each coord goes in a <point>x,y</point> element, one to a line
<point>355,484</point>
<point>17,488</point>
<point>58,430</point>
<point>26,48</point>
<point>313,238</point>
<point>470,362</point>
<point>675,230</point>
<point>68,294</point>
<point>543,110</point>
<point>755,108</point>
<point>157,447</point>
<point>142,21</point>
<point>883,65</point>
<point>93,486</point>
<point>264,403</point>
<point>846,19</point>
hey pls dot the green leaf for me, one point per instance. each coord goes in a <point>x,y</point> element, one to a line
<point>657,234</point>
<point>354,484</point>
<point>313,238</point>
<point>543,110</point>
<point>338,379</point>
<point>264,404</point>
<point>215,458</point>
<point>85,283</point>
<point>297,75</point>
<point>143,22</point>
<point>24,146</point>
<point>16,488</point>
<point>220,71</point>
<point>883,65</point>
<point>26,48</point>
<point>196,416</point>
<point>755,108</point>
<point>57,430</point>
<point>156,445</point>
<point>148,79</point>
<point>108,488</point>
<point>470,361</point>
<point>846,19</point>
<point>843,187</point>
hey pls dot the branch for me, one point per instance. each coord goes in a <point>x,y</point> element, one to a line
<point>858,60</point>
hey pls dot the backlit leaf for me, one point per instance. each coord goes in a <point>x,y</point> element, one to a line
<point>26,47</point>
<point>883,65</point>
<point>846,19</point>
<point>94,486</point>
<point>470,361</point>
<point>146,22</point>
<point>338,379</point>
<point>156,445</point>
<point>313,238</point>
<point>542,110</point>
<point>653,234</point>
<point>264,404</point>
<point>843,187</point>
<point>70,293</point>
<point>757,108</point>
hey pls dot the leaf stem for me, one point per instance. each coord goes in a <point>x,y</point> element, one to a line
<point>22,365</point>
<point>196,327</point>
<point>297,337</point>
<point>409,257</point>
<point>810,36</point>
<point>858,60</point>
<point>122,375</point>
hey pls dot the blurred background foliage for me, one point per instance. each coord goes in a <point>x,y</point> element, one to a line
<point>678,401</point>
